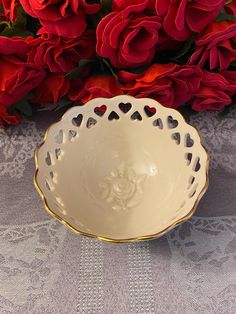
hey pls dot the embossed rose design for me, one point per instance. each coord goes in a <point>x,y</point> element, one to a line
<point>121,186</point>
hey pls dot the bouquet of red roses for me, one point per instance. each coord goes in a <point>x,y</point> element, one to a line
<point>70,51</point>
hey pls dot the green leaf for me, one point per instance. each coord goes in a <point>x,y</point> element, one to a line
<point>233,63</point>
<point>18,28</point>
<point>223,16</point>
<point>79,70</point>
<point>139,70</point>
<point>22,106</point>
<point>6,24</point>
<point>109,67</point>
<point>182,53</point>
<point>63,103</point>
<point>107,4</point>
<point>232,66</point>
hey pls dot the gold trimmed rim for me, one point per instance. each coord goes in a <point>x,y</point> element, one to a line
<point>107,239</point>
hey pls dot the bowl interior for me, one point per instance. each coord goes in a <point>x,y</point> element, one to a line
<point>123,177</point>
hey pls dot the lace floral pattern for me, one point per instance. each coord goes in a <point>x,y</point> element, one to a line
<point>219,136</point>
<point>28,264</point>
<point>204,264</point>
<point>17,145</point>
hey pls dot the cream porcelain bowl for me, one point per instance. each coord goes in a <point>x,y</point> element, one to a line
<point>121,169</point>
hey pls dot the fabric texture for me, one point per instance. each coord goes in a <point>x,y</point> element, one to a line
<point>45,268</point>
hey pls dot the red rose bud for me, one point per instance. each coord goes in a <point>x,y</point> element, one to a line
<point>10,9</point>
<point>60,54</point>
<point>170,84</point>
<point>17,77</point>
<point>216,45</point>
<point>215,91</point>
<point>120,5</point>
<point>128,36</point>
<point>51,89</point>
<point>63,18</point>
<point>95,86</point>
<point>182,18</point>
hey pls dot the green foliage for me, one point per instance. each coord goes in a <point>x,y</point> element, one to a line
<point>106,4</point>
<point>107,67</point>
<point>18,28</point>
<point>233,65</point>
<point>139,70</point>
<point>183,55</point>
<point>63,104</point>
<point>74,74</point>
<point>223,16</point>
<point>96,66</point>
<point>23,106</point>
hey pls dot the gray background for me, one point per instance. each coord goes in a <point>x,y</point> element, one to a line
<point>45,268</point>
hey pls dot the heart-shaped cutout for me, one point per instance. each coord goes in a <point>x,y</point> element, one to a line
<point>188,140</point>
<point>58,153</point>
<point>136,116</point>
<point>189,158</point>
<point>196,165</point>
<point>77,120</point>
<point>172,123</point>
<point>71,135</point>
<point>190,182</point>
<point>48,159</point>
<point>158,123</point>
<point>176,137</point>
<point>100,110</point>
<point>125,107</point>
<point>150,111</point>
<point>113,116</point>
<point>91,122</point>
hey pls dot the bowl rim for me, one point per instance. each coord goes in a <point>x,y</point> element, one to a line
<point>108,239</point>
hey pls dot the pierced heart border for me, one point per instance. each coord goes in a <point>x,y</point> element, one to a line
<point>143,110</point>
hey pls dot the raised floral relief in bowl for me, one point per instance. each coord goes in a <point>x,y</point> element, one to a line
<point>121,169</point>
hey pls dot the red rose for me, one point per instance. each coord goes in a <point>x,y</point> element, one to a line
<point>170,84</point>
<point>230,76</point>
<point>17,77</point>
<point>16,46</point>
<point>120,5</point>
<point>182,18</point>
<point>94,86</point>
<point>51,89</point>
<point>128,36</point>
<point>10,9</point>
<point>230,7</point>
<point>215,91</point>
<point>60,54</point>
<point>217,44</point>
<point>61,17</point>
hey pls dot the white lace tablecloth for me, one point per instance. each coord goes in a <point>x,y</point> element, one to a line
<point>45,268</point>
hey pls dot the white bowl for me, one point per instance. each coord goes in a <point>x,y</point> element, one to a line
<point>121,169</point>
